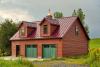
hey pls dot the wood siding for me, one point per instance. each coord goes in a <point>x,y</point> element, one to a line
<point>24,26</point>
<point>41,29</point>
<point>75,44</point>
<point>51,29</point>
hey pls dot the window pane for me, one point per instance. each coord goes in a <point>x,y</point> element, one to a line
<point>22,32</point>
<point>45,30</point>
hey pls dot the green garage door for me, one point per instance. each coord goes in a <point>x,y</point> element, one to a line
<point>31,51</point>
<point>49,51</point>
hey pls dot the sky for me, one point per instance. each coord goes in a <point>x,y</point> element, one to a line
<point>32,10</point>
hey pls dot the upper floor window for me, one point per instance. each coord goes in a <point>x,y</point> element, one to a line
<point>77,30</point>
<point>22,32</point>
<point>45,29</point>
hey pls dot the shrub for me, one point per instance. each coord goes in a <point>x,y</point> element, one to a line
<point>94,57</point>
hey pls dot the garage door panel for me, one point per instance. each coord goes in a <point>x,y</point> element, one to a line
<point>34,51</point>
<point>53,52</point>
<point>31,51</point>
<point>49,51</point>
<point>46,51</point>
<point>28,51</point>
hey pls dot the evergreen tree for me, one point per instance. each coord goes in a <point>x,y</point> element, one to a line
<point>74,13</point>
<point>81,16</point>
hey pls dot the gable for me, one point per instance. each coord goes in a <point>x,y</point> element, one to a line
<point>45,23</point>
<point>22,30</point>
<point>50,20</point>
<point>23,23</point>
<point>71,33</point>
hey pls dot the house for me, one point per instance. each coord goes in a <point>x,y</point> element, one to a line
<point>50,38</point>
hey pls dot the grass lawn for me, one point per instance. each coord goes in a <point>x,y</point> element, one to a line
<point>15,63</point>
<point>94,43</point>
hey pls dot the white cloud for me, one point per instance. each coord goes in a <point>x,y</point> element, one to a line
<point>4,1</point>
<point>16,14</point>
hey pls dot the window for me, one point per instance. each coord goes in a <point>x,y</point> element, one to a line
<point>22,32</point>
<point>45,29</point>
<point>76,30</point>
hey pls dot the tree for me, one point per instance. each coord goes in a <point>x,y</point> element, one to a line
<point>81,16</point>
<point>58,14</point>
<point>74,13</point>
<point>7,29</point>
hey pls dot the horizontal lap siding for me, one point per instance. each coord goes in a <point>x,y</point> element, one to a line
<point>74,49</point>
<point>42,27</point>
<point>75,45</point>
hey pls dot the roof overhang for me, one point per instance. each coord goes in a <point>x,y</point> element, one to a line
<point>34,39</point>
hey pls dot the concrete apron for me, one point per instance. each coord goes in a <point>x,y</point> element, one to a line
<point>16,58</point>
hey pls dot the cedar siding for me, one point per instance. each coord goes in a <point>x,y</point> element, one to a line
<point>75,44</point>
<point>41,29</point>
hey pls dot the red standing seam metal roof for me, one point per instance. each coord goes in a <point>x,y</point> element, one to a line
<point>64,25</point>
<point>29,24</point>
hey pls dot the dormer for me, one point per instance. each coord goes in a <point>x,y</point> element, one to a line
<point>48,26</point>
<point>22,29</point>
<point>31,29</point>
<point>44,28</point>
<point>27,29</point>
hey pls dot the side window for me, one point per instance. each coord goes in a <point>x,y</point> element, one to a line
<point>45,29</point>
<point>76,30</point>
<point>22,32</point>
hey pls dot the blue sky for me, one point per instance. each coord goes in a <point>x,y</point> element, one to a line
<point>30,10</point>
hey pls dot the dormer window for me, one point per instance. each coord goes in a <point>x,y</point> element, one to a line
<point>22,32</point>
<point>45,29</point>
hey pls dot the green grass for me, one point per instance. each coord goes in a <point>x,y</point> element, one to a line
<point>94,43</point>
<point>15,63</point>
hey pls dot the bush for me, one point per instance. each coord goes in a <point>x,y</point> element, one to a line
<point>94,57</point>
